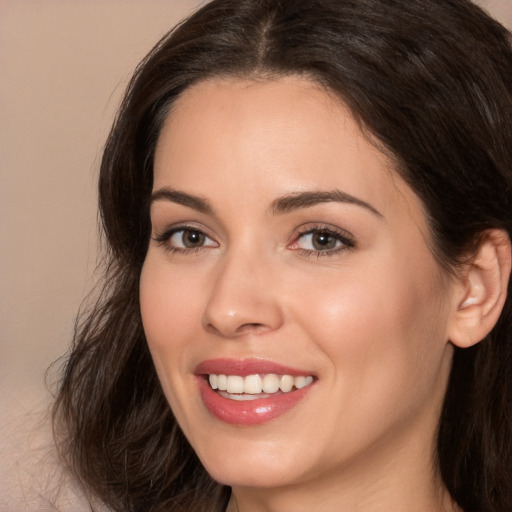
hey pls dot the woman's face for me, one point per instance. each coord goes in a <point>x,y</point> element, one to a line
<point>286,253</point>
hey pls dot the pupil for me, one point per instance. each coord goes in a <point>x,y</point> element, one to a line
<point>192,238</point>
<point>323,241</point>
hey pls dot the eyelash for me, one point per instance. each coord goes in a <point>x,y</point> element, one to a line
<point>164,237</point>
<point>346,240</point>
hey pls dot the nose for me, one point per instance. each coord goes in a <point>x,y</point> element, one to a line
<point>243,299</point>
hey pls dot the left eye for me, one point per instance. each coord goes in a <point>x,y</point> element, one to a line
<point>319,241</point>
<point>190,239</point>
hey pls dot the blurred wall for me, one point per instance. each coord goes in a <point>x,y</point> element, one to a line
<point>63,67</point>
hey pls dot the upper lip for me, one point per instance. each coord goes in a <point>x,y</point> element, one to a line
<point>244,367</point>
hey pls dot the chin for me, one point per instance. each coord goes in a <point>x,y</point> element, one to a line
<point>250,466</point>
<point>257,476</point>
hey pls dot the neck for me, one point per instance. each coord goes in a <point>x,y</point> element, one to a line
<point>443,503</point>
<point>311,498</point>
<point>407,480</point>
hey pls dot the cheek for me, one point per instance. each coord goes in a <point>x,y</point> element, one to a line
<point>382,328</point>
<point>168,305</point>
<point>168,317</point>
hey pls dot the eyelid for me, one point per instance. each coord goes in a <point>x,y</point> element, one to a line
<point>347,240</point>
<point>163,237</point>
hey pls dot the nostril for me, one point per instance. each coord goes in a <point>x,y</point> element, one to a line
<point>247,328</point>
<point>229,312</point>
<point>256,328</point>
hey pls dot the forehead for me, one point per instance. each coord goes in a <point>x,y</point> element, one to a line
<point>272,137</point>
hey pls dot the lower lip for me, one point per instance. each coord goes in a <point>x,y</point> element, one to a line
<point>249,412</point>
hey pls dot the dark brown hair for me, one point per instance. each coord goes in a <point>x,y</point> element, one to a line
<point>431,81</point>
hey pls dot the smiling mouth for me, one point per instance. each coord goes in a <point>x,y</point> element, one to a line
<point>253,387</point>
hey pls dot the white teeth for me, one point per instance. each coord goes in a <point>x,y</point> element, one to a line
<point>270,383</point>
<point>222,383</point>
<point>213,379</point>
<point>240,397</point>
<point>302,382</point>
<point>286,384</point>
<point>235,384</point>
<point>253,384</point>
<point>257,384</point>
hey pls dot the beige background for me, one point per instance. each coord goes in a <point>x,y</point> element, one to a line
<point>63,67</point>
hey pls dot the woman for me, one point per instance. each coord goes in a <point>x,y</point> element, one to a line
<point>307,209</point>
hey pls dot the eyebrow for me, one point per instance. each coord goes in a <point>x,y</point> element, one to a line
<point>299,200</point>
<point>285,204</point>
<point>195,202</point>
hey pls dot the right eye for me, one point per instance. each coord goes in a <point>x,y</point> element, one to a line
<point>184,239</point>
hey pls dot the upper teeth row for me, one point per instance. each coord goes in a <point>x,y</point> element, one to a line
<point>254,384</point>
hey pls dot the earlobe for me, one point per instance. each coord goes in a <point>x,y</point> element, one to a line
<point>481,290</point>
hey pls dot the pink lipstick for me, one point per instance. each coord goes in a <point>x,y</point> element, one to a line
<point>270,389</point>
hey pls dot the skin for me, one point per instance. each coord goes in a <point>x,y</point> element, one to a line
<point>370,320</point>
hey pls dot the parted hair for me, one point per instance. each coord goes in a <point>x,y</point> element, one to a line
<point>430,81</point>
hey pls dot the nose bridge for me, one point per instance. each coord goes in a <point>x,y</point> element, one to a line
<point>243,296</point>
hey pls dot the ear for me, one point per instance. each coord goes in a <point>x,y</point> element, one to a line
<point>481,290</point>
